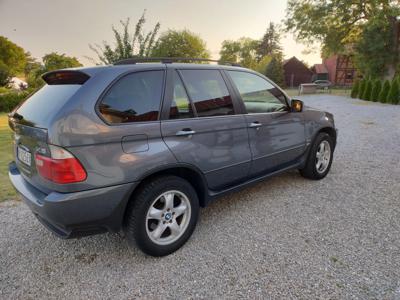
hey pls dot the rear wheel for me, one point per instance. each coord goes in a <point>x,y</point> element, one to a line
<point>162,216</point>
<point>320,158</point>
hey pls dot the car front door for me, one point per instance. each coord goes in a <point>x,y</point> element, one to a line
<point>201,128</point>
<point>276,135</point>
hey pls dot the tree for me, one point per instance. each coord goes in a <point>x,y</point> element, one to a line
<point>376,90</point>
<point>368,91</point>
<point>127,45</point>
<point>270,42</point>
<point>355,89</point>
<point>274,71</point>
<point>361,91</point>
<point>184,43</point>
<point>394,93</point>
<point>384,92</point>
<point>12,56</point>
<point>242,51</point>
<point>346,26</point>
<point>55,61</point>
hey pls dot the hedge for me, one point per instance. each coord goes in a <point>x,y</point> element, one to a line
<point>8,101</point>
<point>376,90</point>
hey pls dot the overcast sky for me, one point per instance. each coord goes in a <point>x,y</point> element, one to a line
<point>68,26</point>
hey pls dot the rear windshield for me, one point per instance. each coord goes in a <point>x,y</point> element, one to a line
<point>46,102</point>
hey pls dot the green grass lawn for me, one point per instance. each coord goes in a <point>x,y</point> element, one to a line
<point>7,192</point>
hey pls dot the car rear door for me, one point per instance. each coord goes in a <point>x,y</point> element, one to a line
<point>276,135</point>
<point>201,128</point>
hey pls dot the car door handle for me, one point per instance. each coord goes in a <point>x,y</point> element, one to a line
<point>255,124</point>
<point>186,131</point>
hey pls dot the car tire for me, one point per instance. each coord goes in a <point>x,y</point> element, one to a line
<point>320,157</point>
<point>162,216</point>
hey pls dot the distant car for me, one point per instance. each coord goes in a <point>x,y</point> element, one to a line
<point>141,146</point>
<point>323,84</point>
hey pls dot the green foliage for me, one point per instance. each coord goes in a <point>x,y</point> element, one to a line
<point>363,28</point>
<point>8,101</point>
<point>261,66</point>
<point>243,51</point>
<point>127,45</point>
<point>184,43</point>
<point>270,42</point>
<point>384,92</point>
<point>54,61</point>
<point>376,90</point>
<point>368,90</point>
<point>274,71</point>
<point>4,74</point>
<point>361,91</point>
<point>394,93</point>
<point>355,89</point>
<point>12,56</point>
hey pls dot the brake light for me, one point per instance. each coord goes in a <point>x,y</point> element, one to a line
<point>62,167</point>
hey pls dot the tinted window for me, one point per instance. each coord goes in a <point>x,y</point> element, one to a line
<point>208,92</point>
<point>180,105</point>
<point>134,98</point>
<point>46,102</point>
<point>259,95</point>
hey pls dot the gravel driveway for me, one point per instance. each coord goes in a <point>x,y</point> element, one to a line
<point>287,237</point>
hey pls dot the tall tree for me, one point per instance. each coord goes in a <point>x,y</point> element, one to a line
<point>55,61</point>
<point>270,42</point>
<point>128,45</point>
<point>274,70</point>
<point>12,56</point>
<point>243,51</point>
<point>184,43</point>
<point>342,26</point>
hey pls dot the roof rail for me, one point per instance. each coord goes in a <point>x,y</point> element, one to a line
<point>170,60</point>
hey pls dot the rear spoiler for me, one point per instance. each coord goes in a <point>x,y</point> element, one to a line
<point>65,77</point>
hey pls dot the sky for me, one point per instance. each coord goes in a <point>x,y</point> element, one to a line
<point>69,26</point>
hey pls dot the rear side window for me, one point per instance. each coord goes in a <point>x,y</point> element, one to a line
<point>134,98</point>
<point>41,106</point>
<point>181,107</point>
<point>208,91</point>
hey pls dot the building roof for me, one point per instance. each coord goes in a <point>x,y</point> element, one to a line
<point>320,69</point>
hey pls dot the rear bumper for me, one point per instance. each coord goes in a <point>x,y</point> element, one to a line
<point>76,214</point>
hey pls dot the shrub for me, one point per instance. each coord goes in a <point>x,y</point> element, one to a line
<point>361,91</point>
<point>376,90</point>
<point>10,100</point>
<point>355,89</point>
<point>368,90</point>
<point>384,92</point>
<point>394,93</point>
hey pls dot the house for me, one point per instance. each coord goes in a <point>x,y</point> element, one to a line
<point>296,72</point>
<point>338,69</point>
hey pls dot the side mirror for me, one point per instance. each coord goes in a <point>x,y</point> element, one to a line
<point>296,105</point>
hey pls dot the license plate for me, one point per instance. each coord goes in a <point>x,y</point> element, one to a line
<point>24,156</point>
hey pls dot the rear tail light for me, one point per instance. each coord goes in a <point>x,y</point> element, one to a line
<point>62,167</point>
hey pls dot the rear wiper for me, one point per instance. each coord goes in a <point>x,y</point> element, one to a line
<point>16,115</point>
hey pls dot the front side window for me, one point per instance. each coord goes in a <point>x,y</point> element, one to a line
<point>258,95</point>
<point>181,107</point>
<point>134,98</point>
<point>208,91</point>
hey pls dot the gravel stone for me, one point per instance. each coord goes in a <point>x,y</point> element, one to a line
<point>286,237</point>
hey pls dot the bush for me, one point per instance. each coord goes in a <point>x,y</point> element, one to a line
<point>361,91</point>
<point>376,90</point>
<point>368,90</point>
<point>10,100</point>
<point>394,93</point>
<point>384,92</point>
<point>355,89</point>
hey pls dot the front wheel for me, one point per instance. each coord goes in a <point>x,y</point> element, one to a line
<point>320,158</point>
<point>162,216</point>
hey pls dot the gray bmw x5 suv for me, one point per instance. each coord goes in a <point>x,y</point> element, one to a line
<point>139,147</point>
